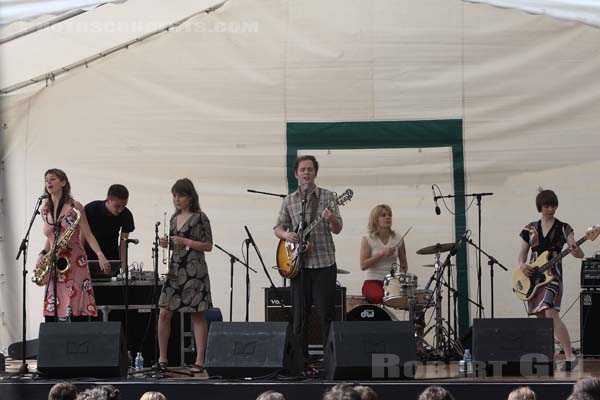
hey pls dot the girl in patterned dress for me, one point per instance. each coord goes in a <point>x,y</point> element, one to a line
<point>187,287</point>
<point>549,234</point>
<point>75,297</point>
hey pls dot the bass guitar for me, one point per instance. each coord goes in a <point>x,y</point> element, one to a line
<point>289,255</point>
<point>525,286</point>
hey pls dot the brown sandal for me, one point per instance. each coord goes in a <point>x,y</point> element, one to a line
<point>197,369</point>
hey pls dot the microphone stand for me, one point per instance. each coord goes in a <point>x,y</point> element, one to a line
<point>478,196</point>
<point>232,260</point>
<point>247,243</point>
<point>273,287</point>
<point>24,369</point>
<point>491,262</point>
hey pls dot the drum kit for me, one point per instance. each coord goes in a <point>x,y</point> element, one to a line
<point>401,292</point>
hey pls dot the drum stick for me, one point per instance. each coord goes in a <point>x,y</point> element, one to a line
<point>403,236</point>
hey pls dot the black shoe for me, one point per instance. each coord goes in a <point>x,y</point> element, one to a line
<point>569,365</point>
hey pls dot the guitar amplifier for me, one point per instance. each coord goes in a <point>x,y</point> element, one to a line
<point>590,272</point>
<point>274,311</point>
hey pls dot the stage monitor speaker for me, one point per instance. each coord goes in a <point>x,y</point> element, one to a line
<point>371,350</point>
<point>82,349</point>
<point>513,346</point>
<point>251,349</point>
<point>274,311</point>
<point>590,322</point>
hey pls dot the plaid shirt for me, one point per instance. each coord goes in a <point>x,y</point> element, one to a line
<point>323,251</point>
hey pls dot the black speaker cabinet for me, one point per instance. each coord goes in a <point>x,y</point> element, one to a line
<point>274,311</point>
<point>141,331</point>
<point>513,346</point>
<point>251,349</point>
<point>82,349</point>
<point>590,322</point>
<point>370,350</point>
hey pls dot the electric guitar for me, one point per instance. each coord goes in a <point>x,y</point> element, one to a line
<point>525,286</point>
<point>289,255</point>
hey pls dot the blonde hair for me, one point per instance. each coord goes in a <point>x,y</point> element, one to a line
<point>153,396</point>
<point>374,217</point>
<point>522,393</point>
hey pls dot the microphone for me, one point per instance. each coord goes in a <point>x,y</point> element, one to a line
<point>435,198</point>
<point>43,196</point>
<point>157,223</point>
<point>457,244</point>
<point>250,238</point>
<point>305,192</point>
<point>134,241</point>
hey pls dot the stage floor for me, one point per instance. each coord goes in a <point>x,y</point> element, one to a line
<point>181,387</point>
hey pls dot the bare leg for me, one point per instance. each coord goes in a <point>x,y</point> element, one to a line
<point>200,335</point>
<point>164,332</point>
<point>560,332</point>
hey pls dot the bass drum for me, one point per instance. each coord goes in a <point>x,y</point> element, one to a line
<point>370,312</point>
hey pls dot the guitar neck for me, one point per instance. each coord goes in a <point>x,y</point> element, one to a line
<point>562,254</point>
<point>310,227</point>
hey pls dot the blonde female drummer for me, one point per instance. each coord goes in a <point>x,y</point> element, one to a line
<point>380,249</point>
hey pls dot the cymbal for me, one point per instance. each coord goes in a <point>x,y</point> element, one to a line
<point>339,270</point>
<point>433,265</point>
<point>436,248</point>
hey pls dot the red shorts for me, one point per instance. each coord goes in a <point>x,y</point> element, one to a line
<point>373,291</point>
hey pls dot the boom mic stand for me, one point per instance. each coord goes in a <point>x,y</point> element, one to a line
<point>232,260</point>
<point>491,262</point>
<point>478,196</point>
<point>24,369</point>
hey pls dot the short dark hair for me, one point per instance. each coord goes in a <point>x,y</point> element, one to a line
<point>435,393</point>
<point>546,198</point>
<point>118,191</point>
<point>299,159</point>
<point>63,391</point>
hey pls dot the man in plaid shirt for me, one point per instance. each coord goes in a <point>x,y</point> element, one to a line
<point>316,282</point>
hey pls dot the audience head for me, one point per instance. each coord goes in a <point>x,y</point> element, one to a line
<point>153,396</point>
<point>581,396</point>
<point>366,393</point>
<point>522,393</point>
<point>342,392</point>
<point>270,395</point>
<point>95,393</point>
<point>589,385</point>
<point>63,391</point>
<point>435,393</point>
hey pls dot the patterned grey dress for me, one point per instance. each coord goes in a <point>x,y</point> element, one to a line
<point>187,287</point>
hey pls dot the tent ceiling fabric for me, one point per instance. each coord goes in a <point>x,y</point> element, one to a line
<point>25,10</point>
<point>90,34</point>
<point>585,11</point>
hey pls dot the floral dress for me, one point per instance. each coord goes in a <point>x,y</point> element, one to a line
<point>187,287</point>
<point>550,295</point>
<point>74,287</point>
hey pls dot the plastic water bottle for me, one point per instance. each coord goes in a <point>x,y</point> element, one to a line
<point>139,361</point>
<point>468,362</point>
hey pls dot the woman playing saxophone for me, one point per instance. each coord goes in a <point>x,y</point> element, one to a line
<point>62,213</point>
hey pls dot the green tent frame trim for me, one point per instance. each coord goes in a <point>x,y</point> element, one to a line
<point>386,135</point>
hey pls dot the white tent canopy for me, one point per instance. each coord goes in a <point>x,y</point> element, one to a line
<point>586,11</point>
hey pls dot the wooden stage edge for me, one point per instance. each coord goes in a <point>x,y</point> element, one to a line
<point>179,387</point>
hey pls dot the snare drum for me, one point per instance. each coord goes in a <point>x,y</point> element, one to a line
<point>369,312</point>
<point>399,289</point>
<point>354,301</point>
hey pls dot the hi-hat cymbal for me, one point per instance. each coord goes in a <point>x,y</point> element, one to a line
<point>436,248</point>
<point>433,265</point>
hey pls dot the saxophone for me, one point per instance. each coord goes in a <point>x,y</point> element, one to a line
<point>42,270</point>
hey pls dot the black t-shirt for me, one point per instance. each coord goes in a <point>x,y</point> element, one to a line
<point>106,227</point>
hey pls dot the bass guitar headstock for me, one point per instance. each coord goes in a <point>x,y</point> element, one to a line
<point>592,232</point>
